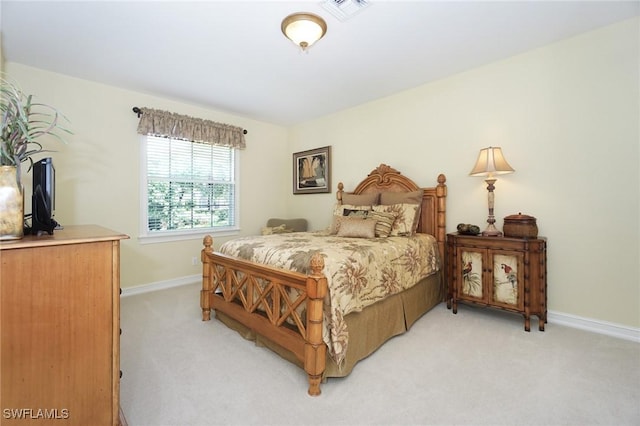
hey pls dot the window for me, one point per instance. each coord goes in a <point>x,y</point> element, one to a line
<point>188,187</point>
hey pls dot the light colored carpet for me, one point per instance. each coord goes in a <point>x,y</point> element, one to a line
<point>478,367</point>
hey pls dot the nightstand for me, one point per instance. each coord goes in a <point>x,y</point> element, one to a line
<point>499,272</point>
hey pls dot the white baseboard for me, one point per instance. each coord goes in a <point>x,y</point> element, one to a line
<point>595,326</point>
<point>573,321</point>
<point>161,285</point>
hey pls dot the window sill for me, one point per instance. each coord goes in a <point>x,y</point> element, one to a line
<point>167,237</point>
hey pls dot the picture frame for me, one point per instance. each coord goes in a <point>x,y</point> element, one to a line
<point>312,171</point>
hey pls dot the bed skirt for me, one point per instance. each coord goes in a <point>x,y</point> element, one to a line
<point>368,329</point>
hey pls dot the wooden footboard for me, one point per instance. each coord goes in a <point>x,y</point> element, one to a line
<point>284,306</point>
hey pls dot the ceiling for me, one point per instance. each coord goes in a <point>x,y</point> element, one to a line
<point>232,56</point>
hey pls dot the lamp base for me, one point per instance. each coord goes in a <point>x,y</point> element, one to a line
<point>491,231</point>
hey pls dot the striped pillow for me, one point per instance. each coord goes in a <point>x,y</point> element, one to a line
<point>406,221</point>
<point>384,222</point>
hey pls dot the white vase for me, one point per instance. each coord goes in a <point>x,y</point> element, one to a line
<point>11,204</point>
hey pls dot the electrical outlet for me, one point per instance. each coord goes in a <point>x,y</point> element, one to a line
<point>194,260</point>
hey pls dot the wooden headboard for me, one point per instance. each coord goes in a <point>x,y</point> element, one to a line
<point>433,209</point>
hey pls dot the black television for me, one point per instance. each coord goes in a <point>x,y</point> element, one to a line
<point>43,200</point>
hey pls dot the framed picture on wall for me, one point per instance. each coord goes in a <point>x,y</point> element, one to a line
<point>312,171</point>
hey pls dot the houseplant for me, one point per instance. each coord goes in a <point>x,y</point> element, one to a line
<point>23,123</point>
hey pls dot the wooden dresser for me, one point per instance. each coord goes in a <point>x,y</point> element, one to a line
<point>60,328</point>
<point>504,273</point>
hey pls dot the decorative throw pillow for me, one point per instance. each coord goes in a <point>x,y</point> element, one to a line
<point>388,198</point>
<point>369,199</point>
<point>384,222</point>
<point>406,221</point>
<point>355,213</point>
<point>339,208</point>
<point>337,222</point>
<point>358,228</point>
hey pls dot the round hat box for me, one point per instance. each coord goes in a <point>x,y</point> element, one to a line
<point>520,226</point>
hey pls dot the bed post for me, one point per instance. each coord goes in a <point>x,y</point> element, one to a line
<point>441,231</point>
<point>207,284</point>
<point>314,347</point>
<point>441,219</point>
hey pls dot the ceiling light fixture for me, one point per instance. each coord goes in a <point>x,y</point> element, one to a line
<point>304,29</point>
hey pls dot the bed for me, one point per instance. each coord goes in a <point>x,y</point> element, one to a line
<point>295,303</point>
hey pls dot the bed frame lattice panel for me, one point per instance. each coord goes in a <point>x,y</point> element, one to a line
<point>281,303</point>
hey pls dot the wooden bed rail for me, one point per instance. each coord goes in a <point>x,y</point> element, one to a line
<point>270,301</point>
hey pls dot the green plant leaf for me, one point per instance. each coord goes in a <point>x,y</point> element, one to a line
<point>22,122</point>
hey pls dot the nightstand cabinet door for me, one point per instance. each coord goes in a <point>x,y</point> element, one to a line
<point>472,267</point>
<point>504,273</point>
<point>506,282</point>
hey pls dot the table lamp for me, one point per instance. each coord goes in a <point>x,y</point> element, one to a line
<point>491,162</point>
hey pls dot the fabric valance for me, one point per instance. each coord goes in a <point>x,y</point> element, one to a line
<point>170,125</point>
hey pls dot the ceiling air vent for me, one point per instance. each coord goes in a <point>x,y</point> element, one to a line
<point>345,9</point>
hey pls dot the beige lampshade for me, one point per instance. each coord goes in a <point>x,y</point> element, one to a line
<point>304,29</point>
<point>491,162</point>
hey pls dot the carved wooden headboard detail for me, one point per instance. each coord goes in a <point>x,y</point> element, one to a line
<point>385,178</point>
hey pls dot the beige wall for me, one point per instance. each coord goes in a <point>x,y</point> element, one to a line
<point>567,118</point>
<point>98,169</point>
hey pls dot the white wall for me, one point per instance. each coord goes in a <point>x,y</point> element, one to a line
<point>98,169</point>
<point>567,118</point>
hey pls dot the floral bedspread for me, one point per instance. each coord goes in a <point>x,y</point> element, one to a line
<point>359,271</point>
